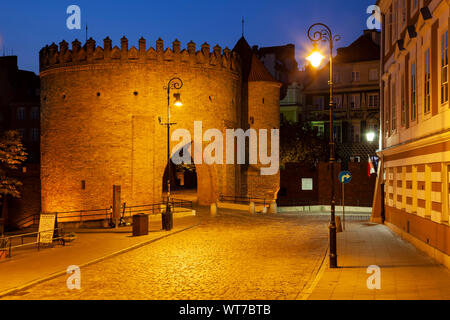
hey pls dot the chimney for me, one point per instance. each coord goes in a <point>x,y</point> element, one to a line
<point>374,34</point>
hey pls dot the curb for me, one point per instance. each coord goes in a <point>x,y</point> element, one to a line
<point>317,274</point>
<point>111,255</point>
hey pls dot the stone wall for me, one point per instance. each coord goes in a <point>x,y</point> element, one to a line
<point>99,120</point>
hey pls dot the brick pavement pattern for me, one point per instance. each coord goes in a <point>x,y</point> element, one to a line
<point>406,273</point>
<point>233,256</point>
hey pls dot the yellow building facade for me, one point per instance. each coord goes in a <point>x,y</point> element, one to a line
<point>415,124</point>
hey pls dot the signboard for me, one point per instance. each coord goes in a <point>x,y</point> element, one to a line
<point>46,227</point>
<point>307,184</point>
<point>345,177</point>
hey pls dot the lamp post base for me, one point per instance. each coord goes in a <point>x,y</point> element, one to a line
<point>167,221</point>
<point>333,254</point>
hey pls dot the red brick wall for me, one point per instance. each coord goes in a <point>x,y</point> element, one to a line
<point>359,192</point>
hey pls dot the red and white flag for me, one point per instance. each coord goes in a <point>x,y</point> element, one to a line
<point>370,167</point>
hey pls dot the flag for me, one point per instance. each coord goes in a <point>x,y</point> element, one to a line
<point>370,167</point>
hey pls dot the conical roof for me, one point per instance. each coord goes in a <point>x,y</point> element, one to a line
<point>252,68</point>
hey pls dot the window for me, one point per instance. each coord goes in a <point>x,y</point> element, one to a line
<point>34,134</point>
<point>337,100</point>
<point>427,89</point>
<point>318,102</point>
<point>373,99</point>
<point>356,132</point>
<point>373,74</point>
<point>393,109</point>
<point>414,5</point>
<point>413,92</point>
<point>20,113</point>
<point>403,11</point>
<point>355,76</point>
<point>320,128</point>
<point>22,133</point>
<point>355,101</point>
<point>34,113</point>
<point>402,103</point>
<point>337,77</point>
<point>338,133</point>
<point>444,67</point>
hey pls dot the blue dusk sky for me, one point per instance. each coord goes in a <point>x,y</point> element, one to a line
<point>27,26</point>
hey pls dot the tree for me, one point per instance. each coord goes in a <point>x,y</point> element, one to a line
<point>299,142</point>
<point>12,155</point>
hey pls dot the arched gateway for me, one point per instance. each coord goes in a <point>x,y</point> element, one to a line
<point>100,111</point>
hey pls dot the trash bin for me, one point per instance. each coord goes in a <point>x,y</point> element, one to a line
<point>140,225</point>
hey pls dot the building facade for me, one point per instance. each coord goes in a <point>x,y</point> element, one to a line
<point>20,110</point>
<point>415,123</point>
<point>100,111</point>
<point>356,98</point>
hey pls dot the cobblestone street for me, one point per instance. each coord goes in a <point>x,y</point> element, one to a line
<point>229,257</point>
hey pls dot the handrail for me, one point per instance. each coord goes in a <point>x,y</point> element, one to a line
<point>8,240</point>
<point>84,215</point>
<point>243,199</point>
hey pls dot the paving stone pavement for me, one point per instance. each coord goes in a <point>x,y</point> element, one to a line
<point>405,272</point>
<point>231,256</point>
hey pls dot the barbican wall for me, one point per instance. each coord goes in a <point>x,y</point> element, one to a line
<point>99,120</point>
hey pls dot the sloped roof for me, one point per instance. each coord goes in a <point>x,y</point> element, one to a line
<point>252,68</point>
<point>363,49</point>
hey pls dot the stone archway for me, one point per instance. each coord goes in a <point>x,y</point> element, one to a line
<point>199,180</point>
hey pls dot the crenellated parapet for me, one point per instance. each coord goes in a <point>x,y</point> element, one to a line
<point>90,53</point>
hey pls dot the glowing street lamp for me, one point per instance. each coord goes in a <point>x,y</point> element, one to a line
<point>315,57</point>
<point>174,83</point>
<point>370,136</point>
<point>177,102</point>
<point>315,35</point>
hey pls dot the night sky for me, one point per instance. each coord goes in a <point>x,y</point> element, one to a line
<point>27,26</point>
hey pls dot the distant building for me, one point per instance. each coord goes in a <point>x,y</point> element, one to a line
<point>415,144</point>
<point>356,98</point>
<point>19,104</point>
<point>281,63</point>
<point>20,110</point>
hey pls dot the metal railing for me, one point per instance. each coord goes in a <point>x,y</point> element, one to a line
<point>18,241</point>
<point>28,220</point>
<point>106,214</point>
<point>243,200</point>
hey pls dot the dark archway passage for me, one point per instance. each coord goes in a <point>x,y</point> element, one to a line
<point>183,180</point>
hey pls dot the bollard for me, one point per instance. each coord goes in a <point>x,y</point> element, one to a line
<point>273,208</point>
<point>338,224</point>
<point>213,209</point>
<point>251,208</point>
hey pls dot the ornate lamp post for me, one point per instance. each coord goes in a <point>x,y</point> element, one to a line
<point>321,32</point>
<point>174,83</point>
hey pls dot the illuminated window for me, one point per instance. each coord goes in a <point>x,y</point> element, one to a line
<point>355,101</point>
<point>355,76</point>
<point>373,100</point>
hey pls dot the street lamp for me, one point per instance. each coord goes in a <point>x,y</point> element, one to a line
<point>174,83</point>
<point>370,136</point>
<point>321,32</point>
